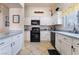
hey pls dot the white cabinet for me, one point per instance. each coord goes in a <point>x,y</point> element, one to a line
<point>27,36</point>
<point>66,48</point>
<point>46,20</point>
<point>28,21</point>
<point>5,46</point>
<point>11,45</point>
<point>75,48</point>
<point>57,18</point>
<point>58,42</point>
<point>45,35</point>
<point>17,43</point>
<point>63,44</point>
<point>5,50</point>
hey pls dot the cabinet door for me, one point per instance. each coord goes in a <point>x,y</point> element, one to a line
<point>15,47</point>
<point>63,47</point>
<point>75,50</point>
<point>17,43</point>
<point>46,20</point>
<point>57,18</point>
<point>27,36</point>
<point>21,41</point>
<point>45,35</point>
<point>5,46</point>
<point>57,43</point>
<point>27,21</point>
<point>66,48</point>
<point>5,50</point>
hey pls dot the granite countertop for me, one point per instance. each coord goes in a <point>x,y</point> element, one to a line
<point>10,33</point>
<point>68,34</point>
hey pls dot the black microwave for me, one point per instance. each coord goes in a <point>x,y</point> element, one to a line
<point>35,22</point>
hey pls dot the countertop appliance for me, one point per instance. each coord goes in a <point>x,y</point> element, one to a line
<point>35,22</point>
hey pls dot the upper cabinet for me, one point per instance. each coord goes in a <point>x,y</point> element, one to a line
<point>57,18</point>
<point>46,20</point>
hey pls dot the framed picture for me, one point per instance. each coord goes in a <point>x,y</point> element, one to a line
<point>16,18</point>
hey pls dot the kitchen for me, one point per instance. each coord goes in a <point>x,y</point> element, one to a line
<point>39,29</point>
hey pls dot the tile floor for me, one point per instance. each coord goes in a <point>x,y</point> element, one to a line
<point>36,48</point>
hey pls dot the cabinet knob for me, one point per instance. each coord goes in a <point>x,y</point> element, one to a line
<point>64,38</point>
<point>77,43</point>
<point>1,43</point>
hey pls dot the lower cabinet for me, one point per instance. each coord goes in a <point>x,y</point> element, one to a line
<point>5,50</point>
<point>75,47</point>
<point>45,35</point>
<point>17,43</point>
<point>11,45</point>
<point>5,46</point>
<point>67,45</point>
<point>57,43</point>
<point>75,50</point>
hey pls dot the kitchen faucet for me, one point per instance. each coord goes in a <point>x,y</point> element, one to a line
<point>74,29</point>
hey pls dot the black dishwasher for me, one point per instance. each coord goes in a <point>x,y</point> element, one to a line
<point>53,36</point>
<point>53,39</point>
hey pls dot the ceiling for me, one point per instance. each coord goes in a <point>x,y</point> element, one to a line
<point>12,5</point>
<point>39,4</point>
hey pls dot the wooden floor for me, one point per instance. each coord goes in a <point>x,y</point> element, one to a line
<point>36,48</point>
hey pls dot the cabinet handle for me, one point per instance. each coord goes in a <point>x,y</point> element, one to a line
<point>78,44</point>
<point>73,49</point>
<point>71,46</point>
<point>11,44</point>
<point>64,38</point>
<point>18,36</point>
<point>1,43</point>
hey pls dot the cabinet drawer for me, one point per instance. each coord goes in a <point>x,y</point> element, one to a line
<point>18,36</point>
<point>5,50</point>
<point>5,41</point>
<point>67,39</point>
<point>76,42</point>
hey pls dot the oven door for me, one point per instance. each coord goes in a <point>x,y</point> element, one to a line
<point>35,37</point>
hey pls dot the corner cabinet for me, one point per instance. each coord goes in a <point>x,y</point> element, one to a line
<point>57,18</point>
<point>11,45</point>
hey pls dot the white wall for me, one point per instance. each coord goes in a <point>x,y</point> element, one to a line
<point>45,18</point>
<point>4,11</point>
<point>16,11</point>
